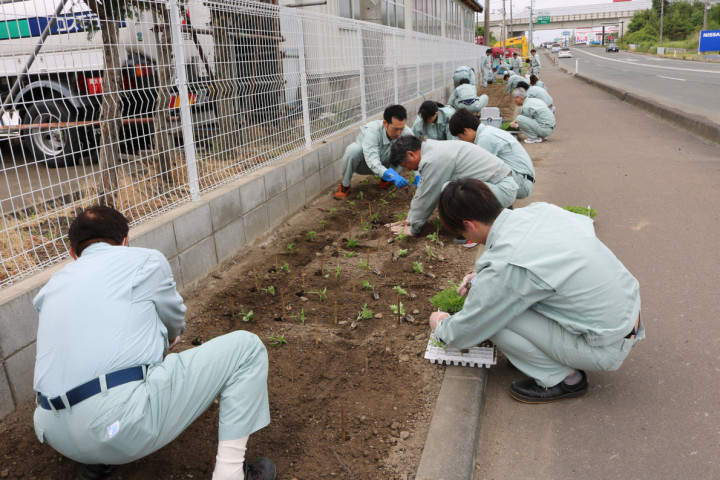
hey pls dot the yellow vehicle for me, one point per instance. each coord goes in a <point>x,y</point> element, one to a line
<point>516,42</point>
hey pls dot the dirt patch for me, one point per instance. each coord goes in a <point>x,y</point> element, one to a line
<point>350,398</point>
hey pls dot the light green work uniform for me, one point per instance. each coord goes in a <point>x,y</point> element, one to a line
<point>369,154</point>
<point>550,295</point>
<point>535,119</point>
<point>441,162</point>
<point>463,72</point>
<point>486,70</point>
<point>437,130</point>
<point>506,147</point>
<point>512,82</point>
<point>516,64</point>
<point>535,65</point>
<point>540,93</point>
<point>465,96</point>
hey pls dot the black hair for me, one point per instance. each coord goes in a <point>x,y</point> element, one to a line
<point>399,149</point>
<point>427,109</point>
<point>395,111</point>
<point>464,81</point>
<point>467,199</point>
<point>522,85</point>
<point>461,120</point>
<point>97,224</point>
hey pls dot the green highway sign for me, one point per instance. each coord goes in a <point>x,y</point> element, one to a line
<point>542,20</point>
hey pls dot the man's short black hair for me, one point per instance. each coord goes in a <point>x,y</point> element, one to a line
<point>399,149</point>
<point>467,199</point>
<point>464,81</point>
<point>97,224</point>
<point>397,112</point>
<point>427,109</point>
<point>522,85</point>
<point>461,120</point>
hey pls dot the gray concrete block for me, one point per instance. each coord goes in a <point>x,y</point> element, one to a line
<point>325,152</point>
<point>18,323</point>
<point>230,239</point>
<point>192,226</point>
<point>20,370</point>
<point>7,404</point>
<point>296,196</point>
<point>311,163</point>
<point>256,223</point>
<point>197,261</point>
<point>294,171</point>
<point>177,272</point>
<point>252,194</point>
<point>275,182</point>
<point>161,238</point>
<point>312,186</point>
<point>225,209</point>
<point>278,209</point>
<point>327,177</point>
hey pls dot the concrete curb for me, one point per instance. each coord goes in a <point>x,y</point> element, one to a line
<point>451,444</point>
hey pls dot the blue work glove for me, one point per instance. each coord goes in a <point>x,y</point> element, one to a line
<point>417,180</point>
<point>391,175</point>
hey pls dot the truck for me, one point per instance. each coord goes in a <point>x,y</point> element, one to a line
<point>519,43</point>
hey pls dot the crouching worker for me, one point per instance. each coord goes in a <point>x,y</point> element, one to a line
<point>370,153</point>
<point>439,162</point>
<point>465,96</point>
<point>547,292</point>
<point>108,392</point>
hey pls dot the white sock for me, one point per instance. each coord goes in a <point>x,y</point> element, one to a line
<point>229,460</point>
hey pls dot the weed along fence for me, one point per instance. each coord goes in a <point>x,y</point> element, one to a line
<point>153,107</point>
<point>206,123</point>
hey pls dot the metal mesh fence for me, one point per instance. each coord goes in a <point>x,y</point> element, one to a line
<point>150,107</point>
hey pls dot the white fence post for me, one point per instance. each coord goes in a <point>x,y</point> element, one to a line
<point>395,67</point>
<point>363,100</point>
<point>303,83</point>
<point>178,47</point>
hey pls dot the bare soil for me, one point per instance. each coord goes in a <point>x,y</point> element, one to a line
<point>350,398</point>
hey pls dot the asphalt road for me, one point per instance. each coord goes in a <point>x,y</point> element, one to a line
<point>685,85</point>
<point>655,188</point>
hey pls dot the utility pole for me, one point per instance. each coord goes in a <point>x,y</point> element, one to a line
<point>662,14</point>
<point>486,37</point>
<point>530,40</point>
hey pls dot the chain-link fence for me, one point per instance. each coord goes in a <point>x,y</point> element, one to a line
<point>149,106</point>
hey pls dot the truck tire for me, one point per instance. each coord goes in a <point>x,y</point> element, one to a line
<point>55,146</point>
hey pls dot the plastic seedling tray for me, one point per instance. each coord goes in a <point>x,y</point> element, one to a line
<point>482,355</point>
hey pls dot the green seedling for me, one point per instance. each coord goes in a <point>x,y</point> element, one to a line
<point>402,252</point>
<point>270,290</point>
<point>322,294</point>
<point>448,300</point>
<point>399,290</point>
<point>384,202</point>
<point>311,235</point>
<point>349,254</point>
<point>285,267</point>
<point>363,264</point>
<point>337,272</point>
<point>352,243</point>
<point>418,267</point>
<point>290,249</point>
<point>433,237</point>
<point>360,195</point>
<point>402,237</point>
<point>586,211</point>
<point>365,313</point>
<point>398,309</point>
<point>401,216</point>
<point>375,218</point>
<point>429,251</point>
<point>365,285</point>
<point>276,341</point>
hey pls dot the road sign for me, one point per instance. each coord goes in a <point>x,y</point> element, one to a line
<point>541,20</point>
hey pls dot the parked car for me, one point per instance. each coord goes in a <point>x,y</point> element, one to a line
<point>565,53</point>
<point>555,48</point>
<point>612,47</point>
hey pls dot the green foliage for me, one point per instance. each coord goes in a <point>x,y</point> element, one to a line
<point>365,313</point>
<point>270,289</point>
<point>448,300</point>
<point>352,243</point>
<point>418,267</point>
<point>366,285</point>
<point>402,252</point>
<point>586,211</point>
<point>399,290</point>
<point>277,341</point>
<point>311,235</point>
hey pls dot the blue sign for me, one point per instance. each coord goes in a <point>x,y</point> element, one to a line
<point>709,41</point>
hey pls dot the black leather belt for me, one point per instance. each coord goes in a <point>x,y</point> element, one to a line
<point>91,388</point>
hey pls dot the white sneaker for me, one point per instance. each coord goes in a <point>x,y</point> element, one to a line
<point>533,140</point>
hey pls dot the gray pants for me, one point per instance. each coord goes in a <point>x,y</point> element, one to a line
<point>531,128</point>
<point>353,161</point>
<point>131,421</point>
<point>542,349</point>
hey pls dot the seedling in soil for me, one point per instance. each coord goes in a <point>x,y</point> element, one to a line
<point>290,249</point>
<point>363,264</point>
<point>402,237</point>
<point>352,243</point>
<point>365,313</point>
<point>311,235</point>
<point>399,290</point>
<point>337,272</point>
<point>429,251</point>
<point>360,195</point>
<point>348,254</point>
<point>402,252</point>
<point>433,237</point>
<point>367,285</point>
<point>383,202</point>
<point>418,267</point>
<point>400,216</point>
<point>276,341</point>
<point>270,290</point>
<point>448,300</point>
<point>284,267</point>
<point>322,294</point>
<point>375,218</point>
<point>398,309</point>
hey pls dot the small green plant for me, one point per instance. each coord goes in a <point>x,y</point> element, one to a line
<point>365,285</point>
<point>429,252</point>
<point>375,218</point>
<point>365,313</point>
<point>433,237</point>
<point>402,252</point>
<point>384,202</point>
<point>418,267</point>
<point>337,271</point>
<point>300,316</point>
<point>363,264</point>
<point>276,341</point>
<point>352,243</point>
<point>350,203</point>
<point>349,254</point>
<point>285,267</point>
<point>448,300</point>
<point>290,249</point>
<point>402,237</point>
<point>311,235</point>
<point>360,195</point>
<point>586,211</point>
<point>401,216</point>
<point>322,294</point>
<point>399,290</point>
<point>398,309</point>
<point>270,290</point>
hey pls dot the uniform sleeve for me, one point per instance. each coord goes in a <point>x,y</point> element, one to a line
<point>499,295</point>
<point>426,197</point>
<point>156,283</point>
<point>371,150</point>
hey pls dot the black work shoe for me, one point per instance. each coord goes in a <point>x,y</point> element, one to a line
<point>260,469</point>
<point>528,391</point>
<point>94,472</point>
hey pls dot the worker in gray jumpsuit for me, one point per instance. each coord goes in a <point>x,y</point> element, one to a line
<point>465,96</point>
<point>467,127</point>
<point>535,119</point>
<point>438,163</point>
<point>432,121</point>
<point>463,72</point>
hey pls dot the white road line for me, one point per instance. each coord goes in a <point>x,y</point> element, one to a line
<point>684,69</point>
<point>671,78</point>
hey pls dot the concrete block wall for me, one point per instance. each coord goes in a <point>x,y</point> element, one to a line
<point>195,238</point>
